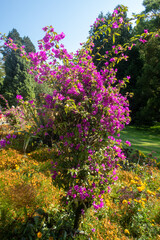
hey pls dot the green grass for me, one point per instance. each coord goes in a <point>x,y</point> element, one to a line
<point>146,140</point>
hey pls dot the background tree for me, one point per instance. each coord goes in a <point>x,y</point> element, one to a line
<point>152,6</point>
<point>2,73</point>
<point>147,91</point>
<point>104,41</point>
<point>147,88</point>
<point>143,83</point>
<point>17,80</point>
<point>134,64</point>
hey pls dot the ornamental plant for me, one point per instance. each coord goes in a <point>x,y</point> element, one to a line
<point>83,115</point>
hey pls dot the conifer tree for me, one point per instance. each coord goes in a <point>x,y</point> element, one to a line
<point>17,80</point>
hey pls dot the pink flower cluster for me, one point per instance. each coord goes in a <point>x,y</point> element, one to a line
<point>6,141</point>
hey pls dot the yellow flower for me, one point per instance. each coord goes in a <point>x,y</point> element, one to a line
<point>39,234</point>
<point>136,178</point>
<point>141,188</point>
<point>16,166</point>
<point>133,182</point>
<point>108,203</point>
<point>124,201</point>
<point>143,204</point>
<point>144,199</point>
<point>150,192</point>
<point>126,231</point>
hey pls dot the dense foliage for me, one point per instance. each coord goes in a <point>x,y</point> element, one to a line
<point>17,80</point>
<point>139,58</point>
<point>2,73</point>
<point>31,206</point>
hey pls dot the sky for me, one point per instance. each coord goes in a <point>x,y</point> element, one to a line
<point>73,17</point>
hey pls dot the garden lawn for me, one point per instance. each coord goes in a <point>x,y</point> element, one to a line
<point>146,140</point>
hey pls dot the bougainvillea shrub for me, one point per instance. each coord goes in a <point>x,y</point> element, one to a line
<point>82,116</point>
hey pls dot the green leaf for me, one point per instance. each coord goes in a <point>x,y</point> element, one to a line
<point>138,20</point>
<point>26,142</point>
<point>113,38</point>
<point>118,34</point>
<point>105,40</point>
<point>65,235</point>
<point>25,212</point>
<point>109,30</point>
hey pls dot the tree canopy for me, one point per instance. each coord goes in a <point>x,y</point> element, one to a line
<point>142,62</point>
<point>152,6</point>
<point>17,79</point>
<point>2,72</point>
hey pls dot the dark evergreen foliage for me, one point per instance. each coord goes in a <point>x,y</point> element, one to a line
<point>2,73</point>
<point>147,90</point>
<point>17,79</point>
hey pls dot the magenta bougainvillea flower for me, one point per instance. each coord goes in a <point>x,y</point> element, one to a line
<point>19,97</point>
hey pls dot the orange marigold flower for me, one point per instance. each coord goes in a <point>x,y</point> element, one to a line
<point>39,234</point>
